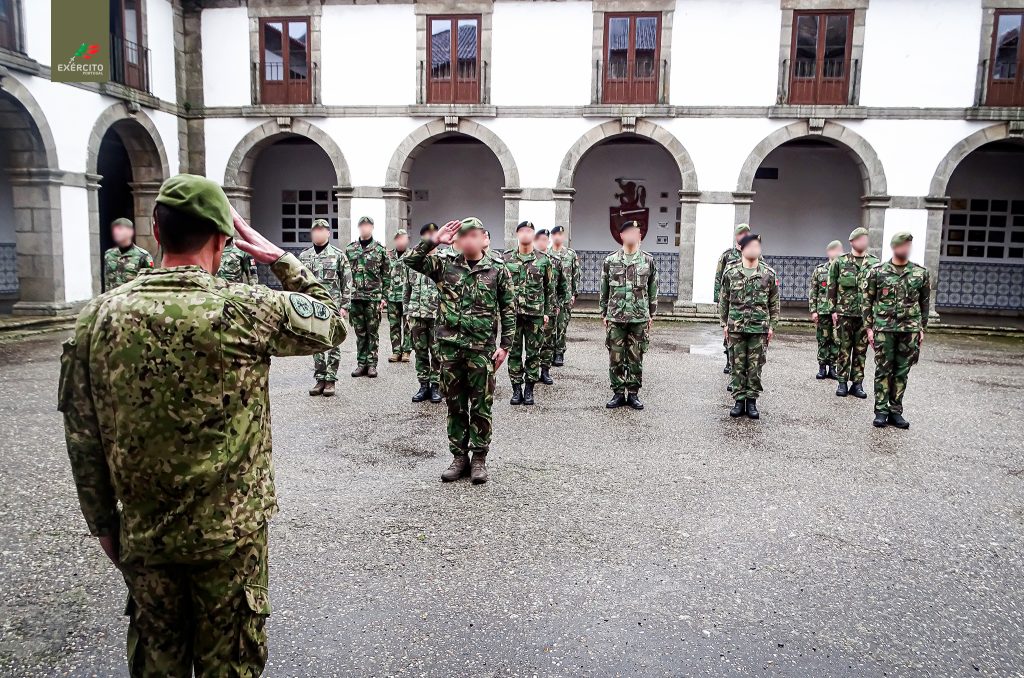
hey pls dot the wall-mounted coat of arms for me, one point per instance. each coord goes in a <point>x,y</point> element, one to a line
<point>632,197</point>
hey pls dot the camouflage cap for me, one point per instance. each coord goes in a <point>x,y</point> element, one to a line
<point>524,224</point>
<point>626,225</point>
<point>428,228</point>
<point>320,223</point>
<point>365,220</point>
<point>901,237</point>
<point>122,222</point>
<point>558,229</point>
<point>200,198</point>
<point>858,232</point>
<point>470,224</point>
<point>834,244</point>
<point>742,228</point>
<point>401,232</point>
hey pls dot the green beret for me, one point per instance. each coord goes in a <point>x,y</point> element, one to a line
<point>401,231</point>
<point>469,224</point>
<point>901,237</point>
<point>742,228</point>
<point>365,220</point>
<point>122,222</point>
<point>834,243</point>
<point>200,198</point>
<point>320,223</point>
<point>626,225</point>
<point>858,232</point>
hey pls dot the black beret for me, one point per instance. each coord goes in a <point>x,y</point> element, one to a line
<point>544,232</point>
<point>558,229</point>
<point>747,239</point>
<point>626,225</point>
<point>524,224</point>
<point>428,228</point>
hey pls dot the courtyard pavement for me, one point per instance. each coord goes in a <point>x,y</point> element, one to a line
<point>669,542</point>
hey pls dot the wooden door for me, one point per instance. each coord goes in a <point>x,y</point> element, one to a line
<point>632,53</point>
<point>453,55</point>
<point>820,60</point>
<point>128,54</point>
<point>285,61</point>
<point>1005,63</point>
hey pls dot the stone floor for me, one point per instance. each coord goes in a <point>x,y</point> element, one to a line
<point>669,542</point>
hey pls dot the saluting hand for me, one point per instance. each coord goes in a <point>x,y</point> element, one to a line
<point>249,240</point>
<point>446,234</point>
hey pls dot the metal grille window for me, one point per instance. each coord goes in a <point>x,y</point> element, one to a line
<point>454,57</point>
<point>632,49</point>
<point>1006,73</point>
<point>820,61</point>
<point>299,207</point>
<point>984,230</point>
<point>285,61</point>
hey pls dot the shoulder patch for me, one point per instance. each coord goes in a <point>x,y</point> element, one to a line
<point>321,311</point>
<point>302,304</point>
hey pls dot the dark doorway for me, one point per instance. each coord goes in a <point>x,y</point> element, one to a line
<point>115,195</point>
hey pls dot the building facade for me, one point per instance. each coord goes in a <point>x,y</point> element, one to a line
<point>806,118</point>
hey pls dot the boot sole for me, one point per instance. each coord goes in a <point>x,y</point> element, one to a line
<point>882,425</point>
<point>328,395</point>
<point>479,481</point>
<point>862,397</point>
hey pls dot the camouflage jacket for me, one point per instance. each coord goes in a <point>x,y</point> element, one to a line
<point>533,280</point>
<point>749,302</point>
<point>120,268</point>
<point>166,409</point>
<point>561,281</point>
<point>817,293</point>
<point>728,257</point>
<point>331,268</point>
<point>420,294</point>
<point>572,275</point>
<point>397,275</point>
<point>371,271</point>
<point>895,300</point>
<point>846,278</point>
<point>471,302</point>
<point>629,287</point>
<point>237,266</point>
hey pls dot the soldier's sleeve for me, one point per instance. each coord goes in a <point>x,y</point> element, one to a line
<point>926,297</point>
<point>249,271</point>
<point>304,318</point>
<point>723,305</point>
<point>347,283</point>
<point>774,302</point>
<point>506,308</point>
<point>812,291</point>
<point>652,288</point>
<point>421,261</point>
<point>407,290</point>
<point>82,435</point>
<point>385,273</point>
<point>108,282</point>
<point>577,275</point>
<point>147,260</point>
<point>833,285</point>
<point>719,270</point>
<point>867,308</point>
<point>603,298</point>
<point>550,288</point>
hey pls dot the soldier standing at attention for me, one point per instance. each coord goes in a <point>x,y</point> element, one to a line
<point>370,279</point>
<point>237,266</point>
<point>398,322</point>
<point>330,267</point>
<point>628,301</point>
<point>846,278</point>
<point>533,281</point>
<point>571,275</point>
<point>749,311</point>
<point>421,309</point>
<point>821,316</point>
<point>547,354</point>
<point>492,253</point>
<point>473,294</point>
<point>125,260</point>
<point>895,314</point>
<point>727,258</point>
<point>180,493</point>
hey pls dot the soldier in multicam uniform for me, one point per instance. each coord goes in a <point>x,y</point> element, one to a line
<point>628,302</point>
<point>421,309</point>
<point>571,275</point>
<point>846,278</point>
<point>398,321</point>
<point>474,294</point>
<point>125,260</point>
<point>237,266</point>
<point>180,495</point>
<point>748,308</point>
<point>533,279</point>
<point>547,355</point>
<point>371,277</point>
<point>896,307</point>
<point>330,266</point>
<point>726,259</point>
<point>821,316</point>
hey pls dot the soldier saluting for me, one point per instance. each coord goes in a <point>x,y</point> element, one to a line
<point>846,278</point>
<point>180,495</point>
<point>628,301</point>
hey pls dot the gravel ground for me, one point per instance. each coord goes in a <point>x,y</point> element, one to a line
<point>673,541</point>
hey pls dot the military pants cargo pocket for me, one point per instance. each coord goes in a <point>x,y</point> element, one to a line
<point>252,645</point>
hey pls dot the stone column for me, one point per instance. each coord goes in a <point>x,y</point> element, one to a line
<point>92,185</point>
<point>687,239</point>
<point>240,198</point>
<point>512,197</point>
<point>343,194</point>
<point>39,241</point>
<point>563,198</point>
<point>936,206</point>
<point>144,195</point>
<point>743,200</point>
<point>874,207</point>
<point>396,210</point>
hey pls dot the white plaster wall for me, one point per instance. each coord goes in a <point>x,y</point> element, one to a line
<point>915,221</point>
<point>167,127</point>
<point>540,212</point>
<point>287,167</point>
<point>368,143</point>
<point>222,135</point>
<point>160,41</point>
<point>368,54</point>
<point>226,70</point>
<point>36,30</point>
<point>718,147</point>
<point>724,56</point>
<point>540,53</point>
<point>74,207</point>
<point>715,224</point>
<point>369,207</point>
<point>539,144</point>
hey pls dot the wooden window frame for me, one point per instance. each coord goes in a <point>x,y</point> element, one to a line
<point>284,91</point>
<point>10,36</point>
<point>626,91</point>
<point>125,71</point>
<point>1004,92</point>
<point>432,94</point>
<point>841,87</point>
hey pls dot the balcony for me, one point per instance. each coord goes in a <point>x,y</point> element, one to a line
<point>129,64</point>
<point>813,82</point>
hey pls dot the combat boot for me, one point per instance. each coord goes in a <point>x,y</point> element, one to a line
<point>478,469</point>
<point>728,368</point>
<point>458,469</point>
<point>422,394</point>
<point>517,395</point>
<point>752,408</point>
<point>329,389</point>
<point>405,357</point>
<point>633,401</point>
<point>528,394</point>
<point>841,390</point>
<point>318,389</point>
<point>832,373</point>
<point>545,377</point>
<point>359,371</point>
<point>898,421</point>
<point>618,400</point>
<point>738,409</point>
<point>435,394</point>
<point>857,391</point>
<point>559,360</point>
<point>822,372</point>
<point>395,358</point>
<point>881,420</point>
<point>371,371</point>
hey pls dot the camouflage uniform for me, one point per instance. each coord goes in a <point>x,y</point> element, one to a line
<point>817,302</point>
<point>571,277</point>
<point>846,278</point>
<point>896,307</point>
<point>330,266</point>
<point>628,300</point>
<point>398,320</point>
<point>121,267</point>
<point>168,434</point>
<point>371,278</point>
<point>471,302</point>
<point>421,309</point>
<point>547,354</point>
<point>237,266</point>
<point>748,307</point>
<point>725,260</point>
<point>533,281</point>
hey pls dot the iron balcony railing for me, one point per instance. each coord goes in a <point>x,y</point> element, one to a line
<point>129,63</point>
<point>829,73</point>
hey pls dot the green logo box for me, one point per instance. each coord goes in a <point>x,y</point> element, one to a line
<point>80,40</point>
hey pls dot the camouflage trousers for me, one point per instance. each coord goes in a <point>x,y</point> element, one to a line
<point>365,320</point>
<point>398,328</point>
<point>852,337</point>
<point>325,365</point>
<point>895,354</point>
<point>562,327</point>
<point>547,352</point>
<point>748,353</point>
<point>627,343</point>
<point>467,380</point>
<point>208,615</point>
<point>422,338</point>
<point>828,346</point>
<point>527,345</point>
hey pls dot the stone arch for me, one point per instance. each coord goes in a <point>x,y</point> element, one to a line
<point>238,172</point>
<point>944,171</point>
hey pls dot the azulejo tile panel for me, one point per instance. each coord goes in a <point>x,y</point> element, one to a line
<point>667,263</point>
<point>8,268</point>
<point>993,286</point>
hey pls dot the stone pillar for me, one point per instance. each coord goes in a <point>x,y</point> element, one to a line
<point>687,239</point>
<point>743,200</point>
<point>240,198</point>
<point>873,208</point>
<point>92,185</point>
<point>39,241</point>
<point>512,197</point>
<point>144,195</point>
<point>936,206</point>
<point>343,194</point>
<point>563,198</point>
<point>396,210</point>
